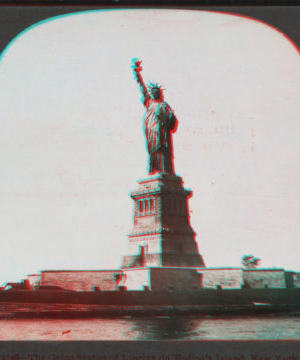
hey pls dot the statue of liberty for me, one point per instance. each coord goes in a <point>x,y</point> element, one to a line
<point>159,122</point>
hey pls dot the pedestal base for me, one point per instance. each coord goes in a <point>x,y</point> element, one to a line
<point>161,234</point>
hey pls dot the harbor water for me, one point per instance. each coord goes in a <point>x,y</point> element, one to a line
<point>264,327</point>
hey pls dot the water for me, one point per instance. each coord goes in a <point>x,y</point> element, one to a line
<point>154,328</point>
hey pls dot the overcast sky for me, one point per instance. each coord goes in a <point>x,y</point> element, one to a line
<point>72,143</point>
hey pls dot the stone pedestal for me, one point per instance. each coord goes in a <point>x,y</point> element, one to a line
<point>161,234</point>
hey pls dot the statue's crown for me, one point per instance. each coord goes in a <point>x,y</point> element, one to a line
<point>152,86</point>
<point>155,89</point>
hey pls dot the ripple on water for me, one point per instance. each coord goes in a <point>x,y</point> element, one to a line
<point>152,328</point>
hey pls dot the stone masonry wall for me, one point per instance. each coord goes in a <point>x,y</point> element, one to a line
<point>261,278</point>
<point>174,278</point>
<point>296,280</point>
<point>136,279</point>
<point>34,280</point>
<point>81,280</point>
<point>228,278</point>
<point>163,278</point>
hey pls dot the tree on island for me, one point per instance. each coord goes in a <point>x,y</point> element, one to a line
<point>250,262</point>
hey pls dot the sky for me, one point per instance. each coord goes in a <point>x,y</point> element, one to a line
<point>72,145</point>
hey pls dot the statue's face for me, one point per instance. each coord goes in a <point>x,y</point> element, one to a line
<point>157,95</point>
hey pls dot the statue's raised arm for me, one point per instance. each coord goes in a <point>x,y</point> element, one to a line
<point>136,67</point>
<point>159,124</point>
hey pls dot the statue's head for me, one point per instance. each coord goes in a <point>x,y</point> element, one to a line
<point>155,91</point>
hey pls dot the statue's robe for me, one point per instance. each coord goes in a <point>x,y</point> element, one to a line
<point>159,121</point>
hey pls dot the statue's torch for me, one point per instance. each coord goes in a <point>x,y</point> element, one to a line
<point>136,67</point>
